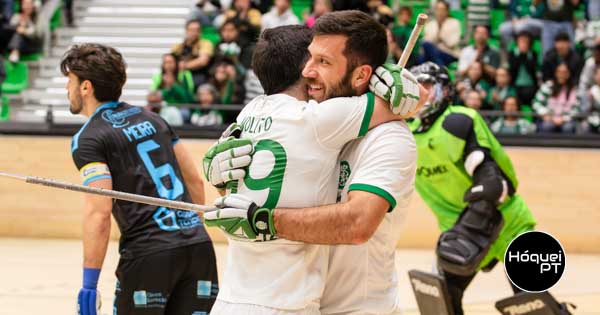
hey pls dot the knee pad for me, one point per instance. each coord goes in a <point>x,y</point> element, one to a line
<point>461,249</point>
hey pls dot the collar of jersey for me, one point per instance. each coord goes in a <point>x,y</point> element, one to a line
<point>105,106</point>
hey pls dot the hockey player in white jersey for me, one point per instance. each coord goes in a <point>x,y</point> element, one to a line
<point>376,183</point>
<point>296,146</point>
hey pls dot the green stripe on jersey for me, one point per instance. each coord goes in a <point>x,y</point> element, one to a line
<point>364,126</point>
<point>375,190</point>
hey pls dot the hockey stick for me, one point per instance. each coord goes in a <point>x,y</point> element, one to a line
<point>412,40</point>
<point>110,193</point>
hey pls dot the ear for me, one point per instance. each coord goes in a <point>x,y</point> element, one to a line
<point>86,88</point>
<point>361,76</point>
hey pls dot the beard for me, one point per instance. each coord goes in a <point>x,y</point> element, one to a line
<point>76,104</point>
<point>343,88</point>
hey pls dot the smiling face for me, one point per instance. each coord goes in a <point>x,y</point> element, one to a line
<point>327,70</point>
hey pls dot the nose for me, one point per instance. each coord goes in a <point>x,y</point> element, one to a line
<point>309,71</point>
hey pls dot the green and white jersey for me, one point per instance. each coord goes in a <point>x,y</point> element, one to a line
<point>362,278</point>
<point>296,148</point>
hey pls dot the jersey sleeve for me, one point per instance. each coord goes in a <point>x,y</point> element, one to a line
<point>387,167</point>
<point>339,120</point>
<point>90,159</point>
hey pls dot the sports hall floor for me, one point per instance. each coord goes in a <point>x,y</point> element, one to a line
<point>43,277</point>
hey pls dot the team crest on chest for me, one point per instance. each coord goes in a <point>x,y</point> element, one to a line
<point>344,174</point>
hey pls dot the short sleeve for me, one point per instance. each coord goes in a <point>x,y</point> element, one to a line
<point>171,133</point>
<point>206,47</point>
<point>339,120</point>
<point>90,159</point>
<point>387,167</point>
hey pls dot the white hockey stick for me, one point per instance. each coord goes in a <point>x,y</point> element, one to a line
<point>412,40</point>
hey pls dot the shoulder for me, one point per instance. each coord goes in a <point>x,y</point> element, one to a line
<point>392,137</point>
<point>459,121</point>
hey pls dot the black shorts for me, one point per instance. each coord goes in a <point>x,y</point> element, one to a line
<point>177,281</point>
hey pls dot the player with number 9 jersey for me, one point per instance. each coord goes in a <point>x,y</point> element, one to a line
<point>296,144</point>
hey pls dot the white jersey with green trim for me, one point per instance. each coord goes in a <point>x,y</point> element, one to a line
<point>296,148</point>
<point>361,279</point>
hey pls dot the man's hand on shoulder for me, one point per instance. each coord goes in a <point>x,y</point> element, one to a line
<point>242,219</point>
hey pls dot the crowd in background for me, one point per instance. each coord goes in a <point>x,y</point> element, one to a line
<point>537,65</point>
<point>538,68</point>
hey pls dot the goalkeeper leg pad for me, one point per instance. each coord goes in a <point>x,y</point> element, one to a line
<point>461,249</point>
<point>532,304</point>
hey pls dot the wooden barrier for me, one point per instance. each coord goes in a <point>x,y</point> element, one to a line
<point>558,184</point>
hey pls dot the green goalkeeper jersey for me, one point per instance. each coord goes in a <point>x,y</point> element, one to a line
<point>442,179</point>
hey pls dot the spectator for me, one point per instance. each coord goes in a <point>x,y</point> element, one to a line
<point>557,17</point>
<point>403,27</point>
<point>319,8</point>
<point>381,12</point>
<point>556,102</point>
<point>502,89</point>
<point>473,99</point>
<point>154,101</point>
<point>205,11</point>
<point>522,62</point>
<point>229,85</point>
<point>586,80</point>
<point>281,14</point>
<point>473,81</point>
<point>442,36</point>
<point>522,17</point>
<point>205,116</point>
<point>170,64</point>
<point>479,51</point>
<point>561,53</point>
<point>478,13</point>
<point>6,10</point>
<point>511,123</point>
<point>194,53</point>
<point>25,40</point>
<point>241,10</point>
<point>173,92</point>
<point>229,45</point>
<point>593,100</point>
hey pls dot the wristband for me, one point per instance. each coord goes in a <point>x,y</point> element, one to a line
<point>90,278</point>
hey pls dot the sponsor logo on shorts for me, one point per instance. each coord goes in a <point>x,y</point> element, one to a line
<point>524,308</point>
<point>425,288</point>
<point>119,119</point>
<point>534,261</point>
<point>145,299</point>
<point>207,289</point>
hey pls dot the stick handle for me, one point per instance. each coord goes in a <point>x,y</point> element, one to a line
<point>111,193</point>
<point>412,40</point>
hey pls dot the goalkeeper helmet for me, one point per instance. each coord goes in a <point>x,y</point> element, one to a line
<point>437,81</point>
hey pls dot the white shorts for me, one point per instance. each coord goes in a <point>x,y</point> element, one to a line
<point>225,308</point>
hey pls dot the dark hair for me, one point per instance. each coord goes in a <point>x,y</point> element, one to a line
<point>516,101</point>
<point>193,21</point>
<point>562,37</point>
<point>366,38</point>
<point>232,21</point>
<point>102,65</point>
<point>446,4</point>
<point>570,84</point>
<point>487,28</point>
<point>405,8</point>
<point>280,55</point>
<point>162,66</point>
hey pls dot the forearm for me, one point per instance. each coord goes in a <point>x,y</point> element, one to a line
<point>96,232</point>
<point>191,176</point>
<point>197,63</point>
<point>331,224</point>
